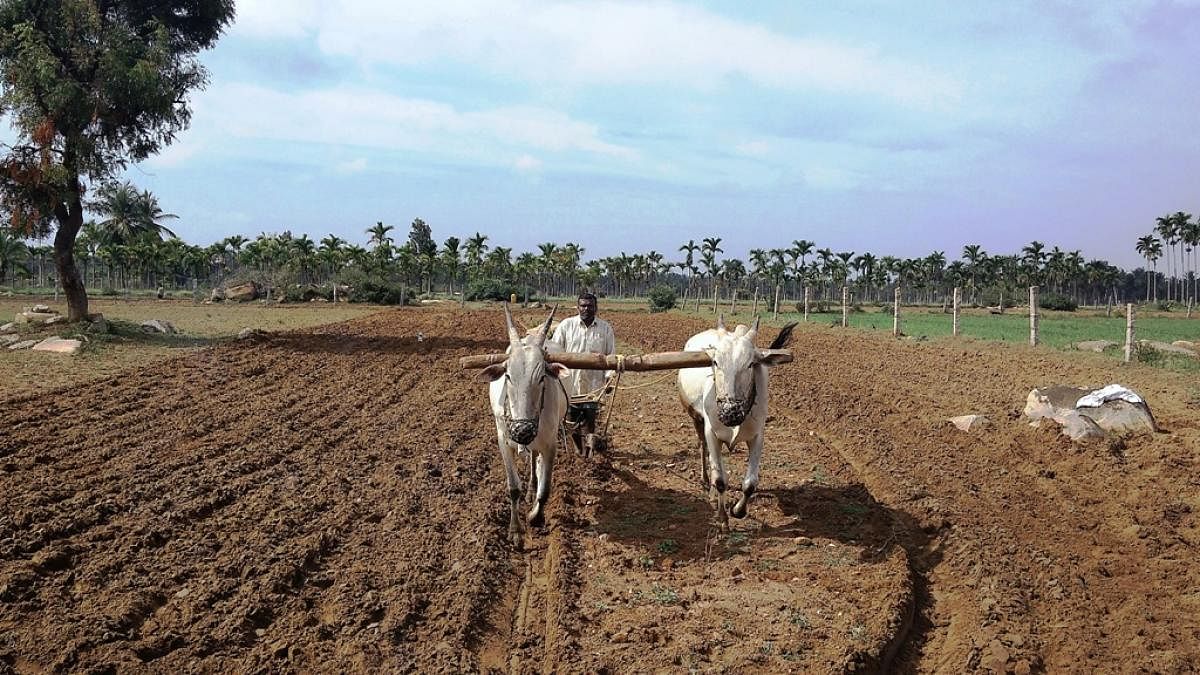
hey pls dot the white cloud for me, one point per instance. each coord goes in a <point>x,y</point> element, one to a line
<point>602,42</point>
<point>352,166</point>
<point>526,163</point>
<point>174,155</point>
<point>361,117</point>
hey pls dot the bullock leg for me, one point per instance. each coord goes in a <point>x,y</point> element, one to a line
<point>750,482</point>
<point>698,423</point>
<point>545,467</point>
<point>717,471</point>
<point>515,529</point>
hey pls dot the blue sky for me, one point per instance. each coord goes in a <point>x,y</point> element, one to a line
<point>895,128</point>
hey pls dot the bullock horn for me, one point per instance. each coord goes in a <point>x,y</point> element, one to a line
<point>754,329</point>
<point>541,338</point>
<point>721,322</point>
<point>513,336</point>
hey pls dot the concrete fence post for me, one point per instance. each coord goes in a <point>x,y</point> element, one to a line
<point>1129,332</point>
<point>896,313</point>
<point>805,303</point>
<point>845,306</point>
<point>1033,316</point>
<point>957,304</point>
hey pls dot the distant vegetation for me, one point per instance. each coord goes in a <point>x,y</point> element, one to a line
<point>130,248</point>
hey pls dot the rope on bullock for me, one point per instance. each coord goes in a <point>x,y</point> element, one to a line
<point>616,388</point>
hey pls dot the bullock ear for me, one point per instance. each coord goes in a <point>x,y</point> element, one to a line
<point>492,372</point>
<point>773,357</point>
<point>557,370</point>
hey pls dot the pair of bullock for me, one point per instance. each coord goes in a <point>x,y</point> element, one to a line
<point>727,403</point>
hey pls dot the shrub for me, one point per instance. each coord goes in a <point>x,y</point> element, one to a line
<point>1164,305</point>
<point>662,298</point>
<point>1058,302</point>
<point>490,289</point>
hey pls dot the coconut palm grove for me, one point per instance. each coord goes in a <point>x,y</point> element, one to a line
<point>128,247</point>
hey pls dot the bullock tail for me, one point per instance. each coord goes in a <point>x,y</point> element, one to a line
<point>785,334</point>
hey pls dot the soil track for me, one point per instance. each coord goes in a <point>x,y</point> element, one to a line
<point>332,500</point>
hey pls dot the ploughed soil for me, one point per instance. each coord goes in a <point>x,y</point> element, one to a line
<point>332,500</point>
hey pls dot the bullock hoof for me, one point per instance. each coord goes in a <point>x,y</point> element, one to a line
<point>517,539</point>
<point>537,518</point>
<point>739,509</point>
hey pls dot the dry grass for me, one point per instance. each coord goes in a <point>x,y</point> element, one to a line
<point>25,371</point>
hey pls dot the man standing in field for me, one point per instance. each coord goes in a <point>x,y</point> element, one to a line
<point>585,333</point>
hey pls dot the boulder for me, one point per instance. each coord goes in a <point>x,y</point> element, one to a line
<point>970,422</point>
<point>24,344</point>
<point>158,326</point>
<point>1095,345</point>
<point>10,327</point>
<point>1112,414</point>
<point>242,293</point>
<point>40,309</point>
<point>1186,344</point>
<point>1167,347</point>
<point>217,295</point>
<point>32,317</point>
<point>98,324</point>
<point>6,340</point>
<point>58,345</point>
<point>57,318</point>
<point>250,333</point>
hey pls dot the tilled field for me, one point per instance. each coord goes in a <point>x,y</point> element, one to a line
<point>333,500</point>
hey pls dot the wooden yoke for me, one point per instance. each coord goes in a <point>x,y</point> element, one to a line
<point>636,363</point>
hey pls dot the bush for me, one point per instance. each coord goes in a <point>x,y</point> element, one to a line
<point>1164,305</point>
<point>490,289</point>
<point>1058,302</point>
<point>662,298</point>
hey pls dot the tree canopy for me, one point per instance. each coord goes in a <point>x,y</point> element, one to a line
<point>91,85</point>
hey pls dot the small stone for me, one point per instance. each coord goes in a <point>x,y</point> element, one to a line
<point>1013,640</point>
<point>260,632</point>
<point>1022,667</point>
<point>803,541</point>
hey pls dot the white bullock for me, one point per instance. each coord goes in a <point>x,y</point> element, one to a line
<point>728,403</point>
<point>528,403</point>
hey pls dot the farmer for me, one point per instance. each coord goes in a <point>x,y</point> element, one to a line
<point>585,334</point>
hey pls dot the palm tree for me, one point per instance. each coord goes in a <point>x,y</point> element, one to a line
<point>975,256</point>
<point>476,247</point>
<point>451,260</point>
<point>379,234</point>
<point>13,254</point>
<point>128,214</point>
<point>1150,247</point>
<point>1167,229</point>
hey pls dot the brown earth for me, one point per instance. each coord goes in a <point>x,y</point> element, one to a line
<point>332,500</point>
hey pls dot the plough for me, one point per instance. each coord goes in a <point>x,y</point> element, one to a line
<point>585,434</point>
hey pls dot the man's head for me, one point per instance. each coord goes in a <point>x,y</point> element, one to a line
<point>587,308</point>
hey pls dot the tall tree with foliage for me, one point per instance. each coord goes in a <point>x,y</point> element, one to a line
<point>91,86</point>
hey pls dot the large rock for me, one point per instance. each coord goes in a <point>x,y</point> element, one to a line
<point>58,345</point>
<point>32,317</point>
<point>24,344</point>
<point>158,326</point>
<point>6,340</point>
<point>98,324</point>
<point>40,309</point>
<point>970,422</point>
<point>10,327</point>
<point>1095,345</point>
<point>1186,344</point>
<point>1167,347</point>
<point>1060,404</point>
<point>242,293</point>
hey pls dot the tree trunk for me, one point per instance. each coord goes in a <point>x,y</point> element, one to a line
<point>70,220</point>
